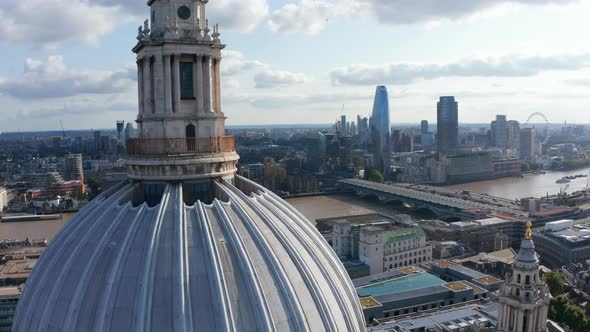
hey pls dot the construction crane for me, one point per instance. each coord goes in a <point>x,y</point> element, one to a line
<point>63,132</point>
<point>562,190</point>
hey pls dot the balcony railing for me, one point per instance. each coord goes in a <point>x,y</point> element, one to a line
<point>178,146</point>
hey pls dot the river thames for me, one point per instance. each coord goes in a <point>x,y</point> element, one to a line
<point>326,206</point>
<point>34,230</point>
<point>533,185</point>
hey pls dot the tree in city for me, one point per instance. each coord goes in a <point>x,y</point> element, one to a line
<point>555,282</point>
<point>373,174</point>
<point>564,312</point>
<point>94,186</point>
<point>69,204</point>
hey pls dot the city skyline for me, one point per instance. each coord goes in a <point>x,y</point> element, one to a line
<point>501,55</point>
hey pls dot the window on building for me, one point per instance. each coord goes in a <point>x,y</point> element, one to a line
<point>186,80</point>
<point>527,280</point>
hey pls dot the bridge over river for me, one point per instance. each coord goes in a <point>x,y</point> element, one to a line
<point>440,200</point>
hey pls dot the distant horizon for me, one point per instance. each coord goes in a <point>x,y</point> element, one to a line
<point>273,126</point>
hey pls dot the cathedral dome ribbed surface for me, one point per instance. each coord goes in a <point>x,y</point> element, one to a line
<point>245,262</point>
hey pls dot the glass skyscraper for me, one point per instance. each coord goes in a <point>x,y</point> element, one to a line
<point>381,130</point>
<point>447,124</point>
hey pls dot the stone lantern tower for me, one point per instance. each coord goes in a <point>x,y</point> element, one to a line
<point>181,125</point>
<point>524,299</point>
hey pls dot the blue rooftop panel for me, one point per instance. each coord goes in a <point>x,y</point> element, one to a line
<point>408,283</point>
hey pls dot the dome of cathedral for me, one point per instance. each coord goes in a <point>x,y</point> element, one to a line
<point>184,244</point>
<point>248,261</point>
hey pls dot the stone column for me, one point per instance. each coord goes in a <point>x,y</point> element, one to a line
<point>535,317</point>
<point>199,83</point>
<point>148,106</point>
<point>168,83</point>
<point>176,82</point>
<point>542,318</point>
<point>159,89</point>
<point>506,319</point>
<point>213,86</point>
<point>207,83</point>
<point>140,86</point>
<point>217,87</point>
<point>518,321</point>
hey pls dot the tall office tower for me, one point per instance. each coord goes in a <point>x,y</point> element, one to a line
<point>129,131</point>
<point>353,129</point>
<point>359,123</point>
<point>120,127</point>
<point>423,127</point>
<point>380,125</point>
<point>513,134</point>
<point>186,244</point>
<point>500,132</point>
<point>528,141</point>
<point>97,141</point>
<point>73,168</point>
<point>343,125</point>
<point>493,133</point>
<point>447,124</point>
<point>524,298</point>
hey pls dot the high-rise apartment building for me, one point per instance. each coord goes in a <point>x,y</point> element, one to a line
<point>500,132</point>
<point>381,130</point>
<point>447,124</point>
<point>424,127</point>
<point>73,169</point>
<point>513,134</point>
<point>528,138</point>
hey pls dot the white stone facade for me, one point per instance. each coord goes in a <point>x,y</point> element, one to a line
<point>3,198</point>
<point>179,94</point>
<point>382,250</point>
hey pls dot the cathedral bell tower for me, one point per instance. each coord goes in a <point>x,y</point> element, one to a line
<point>181,124</point>
<point>524,299</point>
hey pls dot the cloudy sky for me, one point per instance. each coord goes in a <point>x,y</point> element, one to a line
<point>299,61</point>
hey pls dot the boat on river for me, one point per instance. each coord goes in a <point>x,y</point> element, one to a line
<point>29,217</point>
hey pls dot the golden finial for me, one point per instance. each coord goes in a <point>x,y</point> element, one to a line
<point>529,234</point>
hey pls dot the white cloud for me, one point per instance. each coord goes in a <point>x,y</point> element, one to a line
<point>271,78</point>
<point>234,63</point>
<point>508,66</point>
<point>230,14</point>
<point>49,24</point>
<point>311,15</point>
<point>53,79</point>
<point>410,11</point>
